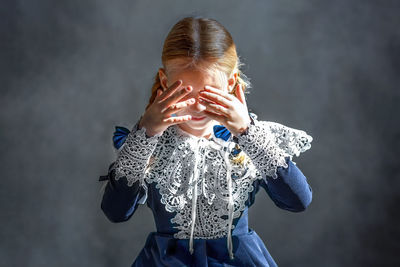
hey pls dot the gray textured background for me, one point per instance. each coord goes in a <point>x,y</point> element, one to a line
<point>72,70</point>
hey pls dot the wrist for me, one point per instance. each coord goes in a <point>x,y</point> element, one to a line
<point>149,132</point>
<point>244,130</point>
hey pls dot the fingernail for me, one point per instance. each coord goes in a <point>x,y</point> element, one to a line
<point>188,88</point>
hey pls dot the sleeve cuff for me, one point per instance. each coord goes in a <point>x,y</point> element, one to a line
<point>269,143</point>
<point>134,155</point>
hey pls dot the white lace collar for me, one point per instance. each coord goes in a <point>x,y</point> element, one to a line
<point>209,141</point>
<point>196,177</point>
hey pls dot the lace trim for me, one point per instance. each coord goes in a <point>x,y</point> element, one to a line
<point>134,155</point>
<point>172,169</point>
<point>268,143</point>
<point>170,161</point>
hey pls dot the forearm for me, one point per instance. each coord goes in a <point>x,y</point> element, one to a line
<point>134,155</point>
<point>268,144</point>
<point>119,200</point>
<point>271,146</point>
<point>290,190</point>
<point>126,187</point>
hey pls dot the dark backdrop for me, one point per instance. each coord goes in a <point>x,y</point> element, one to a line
<point>72,70</point>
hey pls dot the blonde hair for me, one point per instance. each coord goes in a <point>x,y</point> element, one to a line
<point>199,42</point>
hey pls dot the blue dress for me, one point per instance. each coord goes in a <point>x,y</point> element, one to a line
<point>197,224</point>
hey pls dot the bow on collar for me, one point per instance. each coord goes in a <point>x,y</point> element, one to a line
<point>119,136</point>
<point>121,133</point>
<point>222,132</point>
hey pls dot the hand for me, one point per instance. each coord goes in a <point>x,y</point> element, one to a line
<point>157,118</point>
<point>225,108</point>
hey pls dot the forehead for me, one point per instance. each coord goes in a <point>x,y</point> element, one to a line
<point>204,74</point>
<point>198,77</point>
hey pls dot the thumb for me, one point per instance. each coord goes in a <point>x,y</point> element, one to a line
<point>240,94</point>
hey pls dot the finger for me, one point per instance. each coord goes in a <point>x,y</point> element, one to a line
<point>218,92</point>
<point>240,94</point>
<point>214,107</point>
<point>216,98</point>
<point>177,95</point>
<point>158,93</point>
<point>177,120</point>
<point>167,93</point>
<point>220,118</point>
<point>178,106</point>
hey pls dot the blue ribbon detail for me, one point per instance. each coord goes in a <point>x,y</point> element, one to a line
<point>220,131</point>
<point>119,136</point>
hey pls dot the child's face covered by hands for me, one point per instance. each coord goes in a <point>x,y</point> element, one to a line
<point>200,123</point>
<point>213,104</point>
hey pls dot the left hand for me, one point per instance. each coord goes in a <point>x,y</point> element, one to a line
<point>225,108</point>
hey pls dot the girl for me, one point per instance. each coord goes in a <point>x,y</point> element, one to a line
<point>197,157</point>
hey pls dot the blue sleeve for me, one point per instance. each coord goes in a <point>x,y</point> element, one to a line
<point>290,190</point>
<point>120,201</point>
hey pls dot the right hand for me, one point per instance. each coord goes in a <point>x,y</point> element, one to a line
<point>157,118</point>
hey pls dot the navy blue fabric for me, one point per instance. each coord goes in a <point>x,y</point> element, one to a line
<point>290,191</point>
<point>119,136</point>
<point>222,132</point>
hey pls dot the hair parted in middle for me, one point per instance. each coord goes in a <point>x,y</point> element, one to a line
<point>203,44</point>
